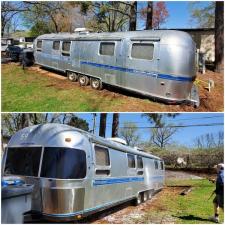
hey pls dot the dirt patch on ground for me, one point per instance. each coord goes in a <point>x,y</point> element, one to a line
<point>209,101</point>
<point>180,175</point>
<point>128,214</point>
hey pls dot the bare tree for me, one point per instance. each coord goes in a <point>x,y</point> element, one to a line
<point>8,11</point>
<point>130,133</point>
<point>210,140</point>
<point>162,136</point>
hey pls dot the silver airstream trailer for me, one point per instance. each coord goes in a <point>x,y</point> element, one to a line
<point>158,63</point>
<point>76,173</point>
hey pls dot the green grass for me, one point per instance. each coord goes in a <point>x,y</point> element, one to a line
<point>192,208</point>
<point>31,91</point>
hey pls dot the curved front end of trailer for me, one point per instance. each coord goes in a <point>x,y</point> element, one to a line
<point>54,159</point>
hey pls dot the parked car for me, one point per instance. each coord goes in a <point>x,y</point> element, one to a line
<point>13,52</point>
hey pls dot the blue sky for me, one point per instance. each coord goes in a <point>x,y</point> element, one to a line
<point>184,136</point>
<point>179,15</point>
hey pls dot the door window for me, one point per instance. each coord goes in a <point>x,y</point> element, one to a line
<point>66,48</point>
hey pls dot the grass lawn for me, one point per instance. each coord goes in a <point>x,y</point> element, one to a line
<point>31,91</point>
<point>189,209</point>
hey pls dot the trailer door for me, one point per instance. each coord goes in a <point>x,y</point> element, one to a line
<point>65,56</point>
<point>107,58</point>
<point>55,54</point>
<point>142,64</point>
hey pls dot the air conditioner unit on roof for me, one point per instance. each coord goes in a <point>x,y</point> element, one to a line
<point>118,140</point>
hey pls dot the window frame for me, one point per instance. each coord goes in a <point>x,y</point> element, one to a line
<point>135,166</point>
<point>156,163</point>
<point>105,169</point>
<point>19,146</point>
<point>142,42</point>
<point>40,166</point>
<point>53,45</point>
<point>161,165</point>
<point>39,49</point>
<point>138,156</point>
<point>99,48</point>
<point>66,53</point>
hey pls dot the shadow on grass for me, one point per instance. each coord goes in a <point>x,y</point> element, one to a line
<point>191,217</point>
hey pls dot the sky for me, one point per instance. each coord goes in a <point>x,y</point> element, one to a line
<point>184,136</point>
<point>179,15</point>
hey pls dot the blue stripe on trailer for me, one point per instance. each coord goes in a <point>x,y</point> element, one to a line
<point>140,72</point>
<point>117,180</point>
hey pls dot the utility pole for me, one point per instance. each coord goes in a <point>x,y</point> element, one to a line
<point>94,122</point>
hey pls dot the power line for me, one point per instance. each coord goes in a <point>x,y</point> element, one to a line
<point>175,120</point>
<point>177,126</point>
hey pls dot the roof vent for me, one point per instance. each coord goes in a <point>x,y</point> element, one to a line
<point>138,149</point>
<point>118,140</point>
<point>82,30</point>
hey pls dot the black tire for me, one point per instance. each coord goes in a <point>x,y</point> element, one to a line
<point>138,200</point>
<point>96,84</point>
<point>83,80</point>
<point>72,76</point>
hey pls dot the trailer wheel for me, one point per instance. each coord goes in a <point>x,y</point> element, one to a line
<point>83,80</point>
<point>138,200</point>
<point>72,76</point>
<point>96,84</point>
<point>145,196</point>
<point>149,194</point>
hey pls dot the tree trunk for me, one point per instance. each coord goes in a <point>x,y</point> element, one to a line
<point>25,120</point>
<point>102,128</point>
<point>115,125</point>
<point>149,21</point>
<point>133,16</point>
<point>219,38</point>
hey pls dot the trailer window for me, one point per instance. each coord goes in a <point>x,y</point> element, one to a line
<point>23,161</point>
<point>63,163</point>
<point>139,162</point>
<point>107,48</point>
<point>39,45</point>
<point>156,165</point>
<point>66,48</point>
<point>142,51</point>
<point>101,156</point>
<point>56,45</point>
<point>131,161</point>
<point>161,163</point>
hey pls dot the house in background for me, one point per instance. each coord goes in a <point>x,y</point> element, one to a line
<point>205,42</point>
